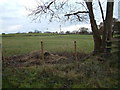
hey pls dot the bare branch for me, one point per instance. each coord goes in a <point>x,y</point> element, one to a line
<point>76,13</point>
<point>82,5</point>
<point>50,4</point>
<point>78,17</point>
<point>101,10</point>
<point>54,10</point>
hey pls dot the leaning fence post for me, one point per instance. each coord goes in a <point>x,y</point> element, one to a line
<point>42,51</point>
<point>75,50</point>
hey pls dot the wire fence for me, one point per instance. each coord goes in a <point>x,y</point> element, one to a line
<point>74,50</point>
<point>54,44</point>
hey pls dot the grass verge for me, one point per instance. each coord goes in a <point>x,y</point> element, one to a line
<point>93,72</point>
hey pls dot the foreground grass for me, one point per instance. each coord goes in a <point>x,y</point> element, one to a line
<point>90,73</point>
<point>53,43</point>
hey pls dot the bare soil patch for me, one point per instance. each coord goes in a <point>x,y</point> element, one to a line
<point>35,58</point>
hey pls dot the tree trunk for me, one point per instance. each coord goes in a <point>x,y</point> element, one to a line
<point>109,19</point>
<point>96,34</point>
<point>107,33</point>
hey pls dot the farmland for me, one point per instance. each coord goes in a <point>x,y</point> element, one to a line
<point>24,70</point>
<point>22,44</point>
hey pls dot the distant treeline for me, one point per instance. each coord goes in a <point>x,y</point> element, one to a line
<point>81,30</point>
<point>26,34</point>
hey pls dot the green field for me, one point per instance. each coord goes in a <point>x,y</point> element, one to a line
<point>22,44</point>
<point>92,72</point>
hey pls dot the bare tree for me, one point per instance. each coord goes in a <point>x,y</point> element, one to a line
<point>57,9</point>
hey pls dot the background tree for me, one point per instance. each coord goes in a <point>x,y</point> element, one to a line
<point>83,30</point>
<point>67,32</point>
<point>37,31</point>
<point>75,10</point>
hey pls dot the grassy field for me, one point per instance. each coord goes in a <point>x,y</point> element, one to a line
<point>93,72</point>
<point>21,44</point>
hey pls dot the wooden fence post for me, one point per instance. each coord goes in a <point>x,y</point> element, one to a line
<point>42,51</point>
<point>75,50</point>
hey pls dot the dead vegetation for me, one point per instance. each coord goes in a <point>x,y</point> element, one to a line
<point>35,58</point>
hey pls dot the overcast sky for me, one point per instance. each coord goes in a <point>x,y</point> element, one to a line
<point>13,18</point>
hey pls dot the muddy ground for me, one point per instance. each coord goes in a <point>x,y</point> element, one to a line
<point>34,58</point>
